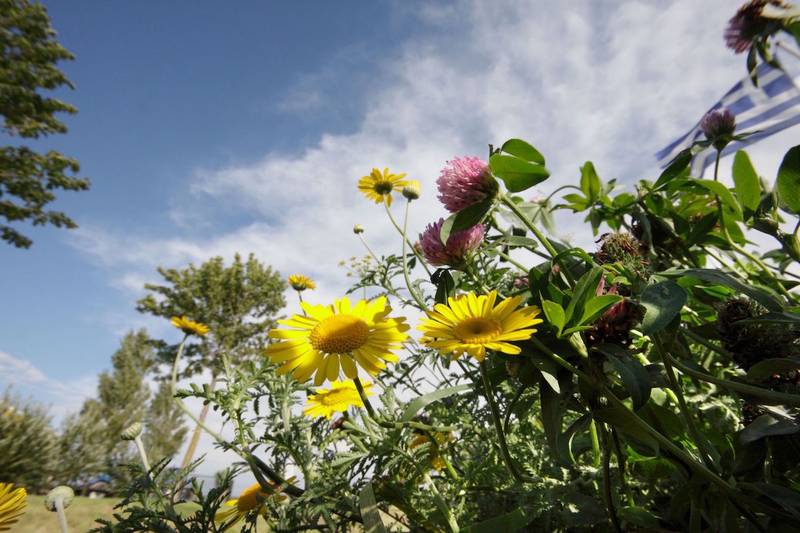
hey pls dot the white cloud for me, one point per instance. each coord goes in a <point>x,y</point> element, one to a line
<point>62,397</point>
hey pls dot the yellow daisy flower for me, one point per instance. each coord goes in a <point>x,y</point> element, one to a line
<point>300,282</point>
<point>378,186</point>
<point>337,336</point>
<point>421,439</point>
<point>337,399</point>
<point>12,505</point>
<point>190,327</point>
<point>473,324</point>
<point>251,500</point>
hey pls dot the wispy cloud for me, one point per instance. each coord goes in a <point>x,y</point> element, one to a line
<point>25,379</point>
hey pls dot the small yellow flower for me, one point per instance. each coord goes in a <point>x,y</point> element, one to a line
<point>442,438</point>
<point>300,282</point>
<point>473,324</point>
<point>330,337</point>
<point>337,399</point>
<point>251,500</point>
<point>12,505</point>
<point>190,327</point>
<point>378,186</point>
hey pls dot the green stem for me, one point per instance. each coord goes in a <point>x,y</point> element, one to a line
<point>699,442</point>
<point>716,165</point>
<point>595,442</point>
<point>417,298</point>
<point>501,437</point>
<point>608,496</point>
<point>774,396</point>
<point>363,395</point>
<point>513,261</point>
<point>539,235</point>
<point>402,232</point>
<point>441,503</point>
<point>702,341</point>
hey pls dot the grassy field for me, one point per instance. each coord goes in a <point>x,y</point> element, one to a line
<point>80,515</point>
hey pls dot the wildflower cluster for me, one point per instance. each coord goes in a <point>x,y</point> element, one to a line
<point>494,375</point>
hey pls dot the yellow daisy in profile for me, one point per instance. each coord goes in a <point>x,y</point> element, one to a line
<point>378,186</point>
<point>337,336</point>
<point>251,500</point>
<point>300,282</point>
<point>190,327</point>
<point>12,505</point>
<point>337,399</point>
<point>473,324</point>
<point>442,438</point>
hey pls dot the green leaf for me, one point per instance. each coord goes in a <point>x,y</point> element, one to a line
<point>516,173</point>
<point>445,285</point>
<point>641,517</point>
<point>523,150</point>
<point>418,403</point>
<point>590,181</point>
<point>552,415</point>
<point>678,166</point>
<point>596,306</point>
<point>584,290</point>
<point>724,194</point>
<point>788,181</point>
<point>745,181</point>
<point>723,278</point>
<point>555,314</point>
<point>369,510</point>
<point>549,371</point>
<point>790,319</point>
<point>767,426</point>
<point>466,218</point>
<point>620,418</point>
<point>634,376</point>
<point>767,367</point>
<point>513,521</point>
<point>518,240</point>
<point>662,302</point>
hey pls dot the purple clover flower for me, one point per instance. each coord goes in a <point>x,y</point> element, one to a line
<point>459,245</point>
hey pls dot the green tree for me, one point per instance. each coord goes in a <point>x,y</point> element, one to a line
<point>164,429</point>
<point>81,447</point>
<point>122,396</point>
<point>238,303</point>
<point>27,444</point>
<point>29,53</point>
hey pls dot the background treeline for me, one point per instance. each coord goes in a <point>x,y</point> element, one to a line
<point>87,445</point>
<point>238,302</point>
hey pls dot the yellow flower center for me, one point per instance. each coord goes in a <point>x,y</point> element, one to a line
<point>383,187</point>
<point>339,334</point>
<point>477,330</point>
<point>250,498</point>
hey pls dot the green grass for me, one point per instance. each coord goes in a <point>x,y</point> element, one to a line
<point>81,515</point>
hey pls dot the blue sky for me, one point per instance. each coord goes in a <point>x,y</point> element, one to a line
<point>161,91</point>
<point>208,129</point>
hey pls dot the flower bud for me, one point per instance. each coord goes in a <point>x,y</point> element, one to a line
<point>132,431</point>
<point>411,191</point>
<point>718,127</point>
<point>62,492</point>
<point>358,228</point>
